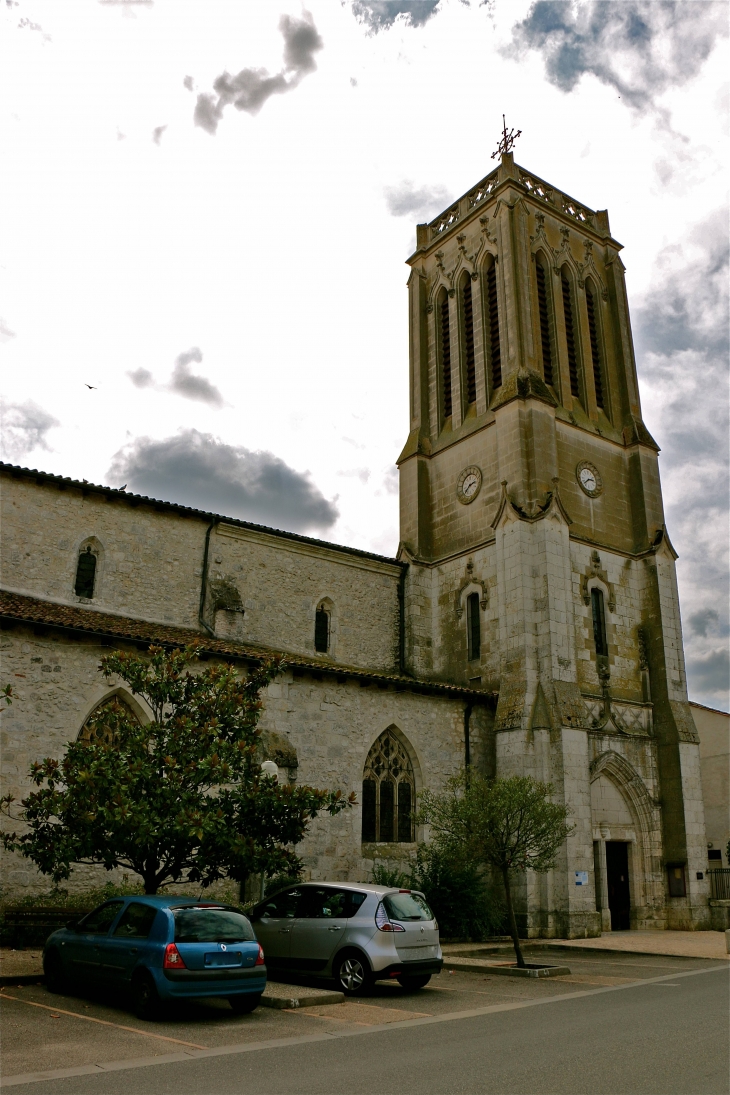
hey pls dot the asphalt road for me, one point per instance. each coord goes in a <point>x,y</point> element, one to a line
<point>664,1036</point>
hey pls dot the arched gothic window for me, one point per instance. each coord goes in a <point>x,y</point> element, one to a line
<point>467,319</point>
<point>444,344</point>
<point>545,311</point>
<point>599,623</point>
<point>388,793</point>
<point>85,573</point>
<point>592,309</point>
<point>321,630</point>
<point>492,309</point>
<point>473,627</point>
<point>571,332</point>
<point>99,726</point>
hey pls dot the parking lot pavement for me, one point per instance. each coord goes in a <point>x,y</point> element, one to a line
<point>44,1032</point>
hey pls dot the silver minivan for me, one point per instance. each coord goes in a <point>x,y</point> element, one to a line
<point>353,933</point>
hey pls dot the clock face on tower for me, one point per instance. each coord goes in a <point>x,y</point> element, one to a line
<point>469,484</point>
<point>589,478</point>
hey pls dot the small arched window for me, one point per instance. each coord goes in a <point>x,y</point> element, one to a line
<point>571,333</point>
<point>592,309</point>
<point>495,355</point>
<point>444,343</point>
<point>544,306</point>
<point>85,573</point>
<point>101,727</point>
<point>473,627</point>
<point>321,630</point>
<point>599,623</point>
<point>388,793</point>
<point>467,318</point>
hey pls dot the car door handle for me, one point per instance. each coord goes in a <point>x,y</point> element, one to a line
<point>334,928</point>
<point>284,930</point>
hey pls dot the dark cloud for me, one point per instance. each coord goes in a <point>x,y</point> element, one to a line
<point>189,384</point>
<point>197,469</point>
<point>24,428</point>
<point>157,133</point>
<point>379,14</point>
<point>421,203</point>
<point>681,337</point>
<point>141,378</point>
<point>249,90</point>
<point>638,48</point>
<point>710,676</point>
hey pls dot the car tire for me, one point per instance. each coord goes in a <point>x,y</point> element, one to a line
<point>352,973</point>
<point>414,983</point>
<point>56,980</point>
<point>145,999</point>
<point>244,1005</point>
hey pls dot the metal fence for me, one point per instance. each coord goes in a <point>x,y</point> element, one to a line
<point>720,883</point>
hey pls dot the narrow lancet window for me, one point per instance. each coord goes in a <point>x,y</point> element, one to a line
<point>322,631</point>
<point>445,352</point>
<point>493,313</point>
<point>543,309</point>
<point>570,336</point>
<point>592,307</point>
<point>388,793</point>
<point>85,574</point>
<point>468,321</point>
<point>599,623</point>
<point>473,627</point>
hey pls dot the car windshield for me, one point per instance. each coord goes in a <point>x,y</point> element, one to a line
<point>407,906</point>
<point>211,925</point>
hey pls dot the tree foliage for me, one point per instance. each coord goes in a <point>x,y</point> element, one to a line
<point>507,824</point>
<point>181,798</point>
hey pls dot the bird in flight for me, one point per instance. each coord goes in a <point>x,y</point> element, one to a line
<point>92,387</point>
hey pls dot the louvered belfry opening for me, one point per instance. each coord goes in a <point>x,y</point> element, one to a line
<point>542,304</point>
<point>493,312</point>
<point>595,348</point>
<point>570,336</point>
<point>85,574</point>
<point>388,793</point>
<point>467,308</point>
<point>473,627</point>
<point>599,622</point>
<point>321,630</point>
<point>445,351</point>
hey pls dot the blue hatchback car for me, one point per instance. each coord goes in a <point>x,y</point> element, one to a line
<point>160,949</point>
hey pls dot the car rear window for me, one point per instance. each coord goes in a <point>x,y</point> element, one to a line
<point>407,906</point>
<point>206,925</point>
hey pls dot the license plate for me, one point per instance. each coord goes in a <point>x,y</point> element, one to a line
<point>223,958</point>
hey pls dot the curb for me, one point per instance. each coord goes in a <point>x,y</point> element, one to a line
<point>476,965</point>
<point>316,1000</point>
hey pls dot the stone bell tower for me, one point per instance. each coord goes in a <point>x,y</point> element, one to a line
<point>540,565</point>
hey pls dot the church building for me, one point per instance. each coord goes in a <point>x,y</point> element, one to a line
<point>529,624</point>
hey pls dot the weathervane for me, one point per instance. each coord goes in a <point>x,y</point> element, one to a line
<point>508,140</point>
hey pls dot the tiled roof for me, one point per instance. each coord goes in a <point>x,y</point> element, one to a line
<point>64,481</point>
<point>33,611</point>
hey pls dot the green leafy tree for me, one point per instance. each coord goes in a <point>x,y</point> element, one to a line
<point>179,799</point>
<point>505,824</point>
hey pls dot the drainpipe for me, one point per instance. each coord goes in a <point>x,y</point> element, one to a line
<point>204,579</point>
<point>467,742</point>
<point>402,620</point>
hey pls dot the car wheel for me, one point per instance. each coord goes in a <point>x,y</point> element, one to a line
<point>414,983</point>
<point>352,974</point>
<point>56,980</point>
<point>145,1000</point>
<point>243,1005</point>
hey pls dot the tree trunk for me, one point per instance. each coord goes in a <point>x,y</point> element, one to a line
<point>512,921</point>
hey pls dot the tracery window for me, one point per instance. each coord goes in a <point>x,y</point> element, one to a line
<point>444,341</point>
<point>388,793</point>
<point>467,318</point>
<point>85,573</point>
<point>495,356</point>
<point>100,726</point>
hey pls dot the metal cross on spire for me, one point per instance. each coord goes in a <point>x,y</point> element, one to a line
<point>508,139</point>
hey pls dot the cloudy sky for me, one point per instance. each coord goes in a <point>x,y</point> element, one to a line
<point>207,208</point>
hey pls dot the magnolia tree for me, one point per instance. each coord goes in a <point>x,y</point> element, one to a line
<point>504,824</point>
<point>181,798</point>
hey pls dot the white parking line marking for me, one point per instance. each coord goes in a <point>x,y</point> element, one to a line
<point>103,1022</point>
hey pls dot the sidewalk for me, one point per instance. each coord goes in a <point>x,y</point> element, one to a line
<point>677,944</point>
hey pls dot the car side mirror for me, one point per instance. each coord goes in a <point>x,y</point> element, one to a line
<point>73,925</point>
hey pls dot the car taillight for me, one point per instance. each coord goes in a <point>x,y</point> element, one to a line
<point>260,960</point>
<point>383,923</point>
<point>173,958</point>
